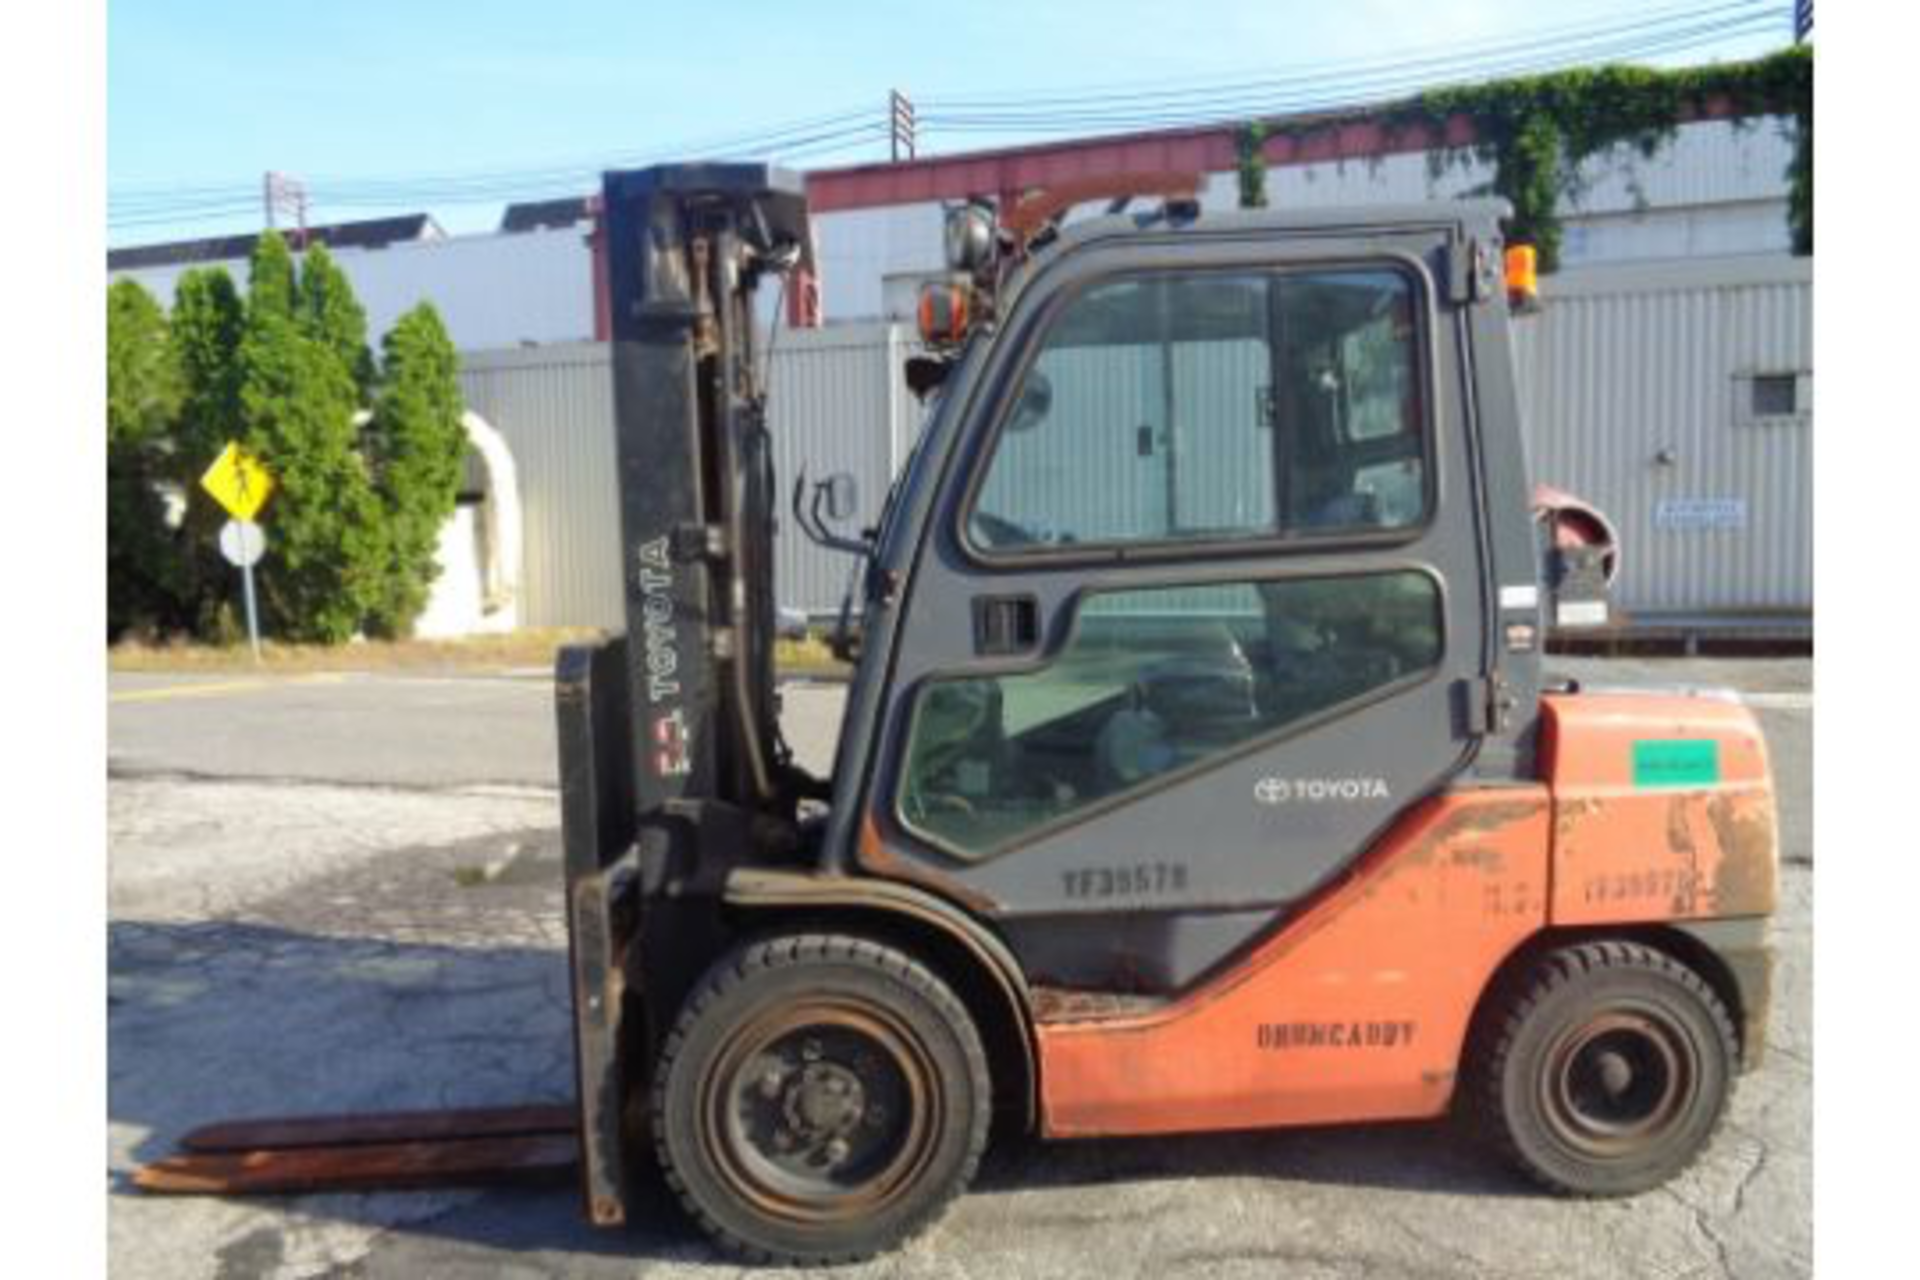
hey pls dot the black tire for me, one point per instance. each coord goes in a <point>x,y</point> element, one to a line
<point>820,1099</point>
<point>1605,1069</point>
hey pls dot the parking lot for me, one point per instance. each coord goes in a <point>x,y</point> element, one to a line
<point>339,893</point>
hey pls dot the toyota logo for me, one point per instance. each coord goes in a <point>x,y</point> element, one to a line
<point>1273,791</point>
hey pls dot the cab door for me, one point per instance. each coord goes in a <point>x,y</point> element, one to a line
<point>1198,611</point>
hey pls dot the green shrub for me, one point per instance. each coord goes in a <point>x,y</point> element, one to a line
<point>327,544</point>
<point>417,447</point>
<point>356,514</point>
<point>144,580</point>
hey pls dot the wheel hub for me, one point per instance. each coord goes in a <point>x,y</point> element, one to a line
<point>821,1112</point>
<point>823,1099</point>
<point>1618,1081</point>
<point>1615,1073</point>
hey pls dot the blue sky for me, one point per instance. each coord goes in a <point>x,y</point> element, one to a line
<point>202,94</point>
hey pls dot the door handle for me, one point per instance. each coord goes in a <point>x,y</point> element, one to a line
<point>1005,624</point>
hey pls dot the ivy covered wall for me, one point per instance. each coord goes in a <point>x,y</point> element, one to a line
<point>1534,132</point>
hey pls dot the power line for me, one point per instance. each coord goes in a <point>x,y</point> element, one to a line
<point>137,198</point>
<point>1320,71</point>
<point>1373,89</point>
<point>1144,105</point>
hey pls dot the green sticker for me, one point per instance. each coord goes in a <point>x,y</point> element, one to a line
<point>1679,762</point>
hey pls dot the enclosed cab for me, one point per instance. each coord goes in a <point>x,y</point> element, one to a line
<point>1197,769</point>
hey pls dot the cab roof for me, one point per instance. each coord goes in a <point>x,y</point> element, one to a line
<point>1475,215</point>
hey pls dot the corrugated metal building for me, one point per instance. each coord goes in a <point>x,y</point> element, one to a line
<point>1718,188</point>
<point>839,402</point>
<point>1678,398</point>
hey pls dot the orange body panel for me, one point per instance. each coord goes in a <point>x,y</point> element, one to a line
<point>1631,846</point>
<point>1356,1011</point>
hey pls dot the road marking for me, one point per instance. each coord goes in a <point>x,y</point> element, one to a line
<point>1779,701</point>
<point>459,682</point>
<point>214,690</point>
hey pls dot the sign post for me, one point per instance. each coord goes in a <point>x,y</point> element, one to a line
<point>241,484</point>
<point>243,542</point>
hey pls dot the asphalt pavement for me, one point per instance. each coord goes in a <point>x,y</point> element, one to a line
<point>341,893</point>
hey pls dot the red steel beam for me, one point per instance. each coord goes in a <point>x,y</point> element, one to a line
<point>1354,135</point>
<point>1009,172</point>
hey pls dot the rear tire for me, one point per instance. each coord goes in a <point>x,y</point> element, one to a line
<point>1606,1070</point>
<point>820,1099</point>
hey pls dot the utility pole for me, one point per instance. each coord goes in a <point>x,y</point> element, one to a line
<point>900,124</point>
<point>279,192</point>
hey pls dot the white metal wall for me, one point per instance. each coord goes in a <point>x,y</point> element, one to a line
<point>1636,393</point>
<point>554,405</point>
<point>839,403</point>
<point>490,290</point>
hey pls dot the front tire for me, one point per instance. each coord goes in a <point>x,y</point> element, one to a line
<point>820,1099</point>
<point>1607,1069</point>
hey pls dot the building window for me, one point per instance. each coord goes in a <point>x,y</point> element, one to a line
<point>1775,395</point>
<point>1772,397</point>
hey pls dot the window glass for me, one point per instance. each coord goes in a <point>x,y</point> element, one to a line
<point>1154,680</point>
<point>1774,395</point>
<point>1213,406</point>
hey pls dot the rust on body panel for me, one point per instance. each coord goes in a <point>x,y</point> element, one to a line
<point>1630,850</point>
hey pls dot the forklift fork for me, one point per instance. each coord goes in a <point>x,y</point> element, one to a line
<point>412,1149</point>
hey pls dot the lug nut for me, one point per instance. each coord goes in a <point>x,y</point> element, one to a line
<point>770,1084</point>
<point>782,1140</point>
<point>810,1051</point>
<point>837,1150</point>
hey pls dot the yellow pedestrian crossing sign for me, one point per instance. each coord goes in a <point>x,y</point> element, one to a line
<point>238,481</point>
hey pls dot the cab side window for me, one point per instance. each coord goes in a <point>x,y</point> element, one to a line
<point>1154,680</point>
<point>1215,406</point>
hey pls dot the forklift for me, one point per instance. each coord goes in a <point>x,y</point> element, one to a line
<point>1198,770</point>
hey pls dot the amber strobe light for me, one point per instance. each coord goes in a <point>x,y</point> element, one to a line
<point>943,314</point>
<point>1523,277</point>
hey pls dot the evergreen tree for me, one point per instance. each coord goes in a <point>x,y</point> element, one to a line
<point>144,578</point>
<point>355,519</point>
<point>208,321</point>
<point>205,332</point>
<point>328,550</point>
<point>418,449</point>
<point>270,278</point>
<point>332,315</point>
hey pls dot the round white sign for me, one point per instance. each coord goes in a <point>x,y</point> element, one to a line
<point>242,542</point>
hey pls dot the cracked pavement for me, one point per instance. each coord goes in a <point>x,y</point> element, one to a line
<point>344,895</point>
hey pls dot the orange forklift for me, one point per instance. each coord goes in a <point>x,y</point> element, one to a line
<point>1198,769</point>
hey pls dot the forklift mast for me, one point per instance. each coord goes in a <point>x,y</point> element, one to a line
<point>687,244</point>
